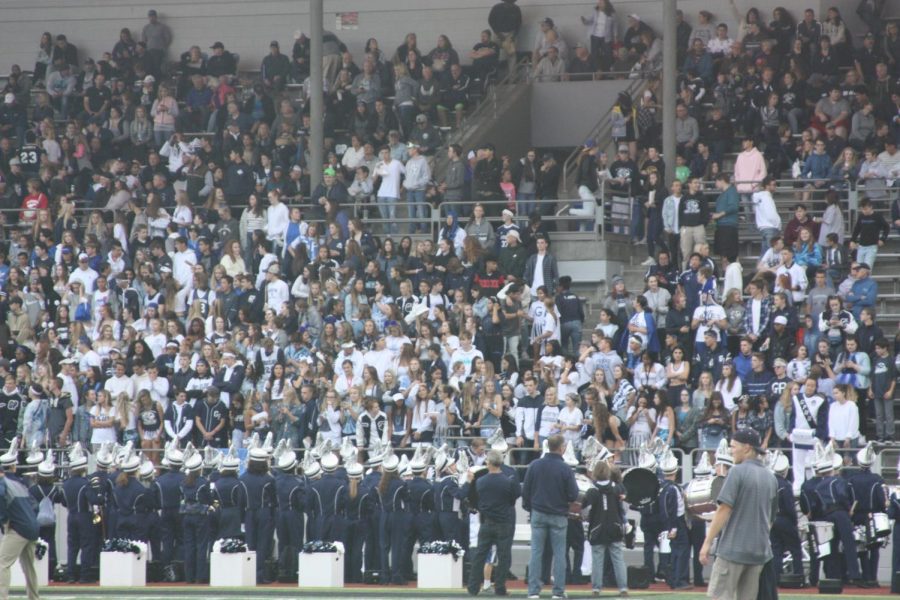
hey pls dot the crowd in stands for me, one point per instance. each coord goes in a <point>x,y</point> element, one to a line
<point>144,263</point>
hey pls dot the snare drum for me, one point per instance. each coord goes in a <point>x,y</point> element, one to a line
<point>861,537</point>
<point>880,525</point>
<point>701,495</point>
<point>822,532</point>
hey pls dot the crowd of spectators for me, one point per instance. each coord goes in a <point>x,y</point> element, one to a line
<point>144,266</point>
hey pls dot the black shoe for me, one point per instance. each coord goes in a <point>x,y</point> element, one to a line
<point>473,591</point>
<point>263,581</point>
<point>861,584</point>
<point>502,592</point>
<point>511,576</point>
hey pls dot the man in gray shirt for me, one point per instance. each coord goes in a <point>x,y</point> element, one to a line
<point>742,522</point>
<point>157,37</point>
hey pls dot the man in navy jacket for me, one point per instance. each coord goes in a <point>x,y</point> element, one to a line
<point>548,490</point>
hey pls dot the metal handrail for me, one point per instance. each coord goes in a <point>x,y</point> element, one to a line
<point>598,131</point>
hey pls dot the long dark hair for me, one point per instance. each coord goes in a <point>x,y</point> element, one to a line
<point>386,478</point>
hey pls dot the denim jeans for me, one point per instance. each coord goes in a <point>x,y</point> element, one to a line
<point>525,204</point>
<point>570,330</point>
<point>387,207</point>
<point>767,234</point>
<point>616,557</point>
<point>417,210</point>
<point>545,525</point>
<point>867,254</point>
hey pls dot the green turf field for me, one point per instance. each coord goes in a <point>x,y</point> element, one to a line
<point>168,593</point>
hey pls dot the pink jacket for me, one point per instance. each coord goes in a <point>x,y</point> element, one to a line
<point>750,166</point>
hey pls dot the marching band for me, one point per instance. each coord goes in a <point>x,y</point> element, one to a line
<point>383,508</point>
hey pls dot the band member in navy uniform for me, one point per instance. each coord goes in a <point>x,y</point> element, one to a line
<point>834,493</point>
<point>131,498</point>
<point>326,502</point>
<point>290,493</point>
<point>671,501</point>
<point>80,498</point>
<point>47,487</point>
<point>167,491</point>
<point>225,497</point>
<point>394,520</point>
<point>148,513</point>
<point>355,534</point>
<point>697,531</point>
<point>421,508</point>
<point>370,512</point>
<point>651,523</point>
<point>894,513</point>
<point>785,534</point>
<point>256,496</point>
<point>867,492</point>
<point>448,495</point>
<point>196,500</point>
<point>103,482</point>
<point>811,506</point>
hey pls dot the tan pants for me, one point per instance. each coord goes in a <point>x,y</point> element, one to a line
<point>690,236</point>
<point>732,581</point>
<point>507,41</point>
<point>13,547</point>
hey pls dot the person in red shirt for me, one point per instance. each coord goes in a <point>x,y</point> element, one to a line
<point>33,202</point>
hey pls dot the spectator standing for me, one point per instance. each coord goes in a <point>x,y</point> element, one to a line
<point>157,37</point>
<point>548,490</point>
<point>602,32</point>
<point>726,218</point>
<point>869,233</point>
<point>749,170</point>
<point>418,176</point>
<point>742,522</point>
<point>497,494</point>
<point>768,222</point>
<point>693,215</point>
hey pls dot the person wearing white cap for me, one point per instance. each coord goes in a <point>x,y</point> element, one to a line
<point>785,535</point>
<point>327,501</point>
<point>80,498</point>
<point>21,526</point>
<point>836,500</point>
<point>256,497</point>
<point>130,499</point>
<point>225,491</point>
<point>84,274</point>
<point>394,521</point>
<point>230,376</point>
<point>448,495</point>
<point>868,491</point>
<point>46,493</point>
<point>672,506</point>
<point>505,228</point>
<point>195,502</point>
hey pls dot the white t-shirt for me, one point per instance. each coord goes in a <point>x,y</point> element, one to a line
<point>100,435</point>
<point>708,312</point>
<point>538,279</point>
<point>390,178</point>
<point>571,417</point>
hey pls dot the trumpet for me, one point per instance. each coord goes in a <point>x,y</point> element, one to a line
<point>98,516</point>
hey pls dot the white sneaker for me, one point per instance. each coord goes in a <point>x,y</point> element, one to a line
<point>486,586</point>
<point>533,596</point>
<point>648,262</point>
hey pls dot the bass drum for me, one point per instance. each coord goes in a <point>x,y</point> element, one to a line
<point>641,486</point>
<point>700,496</point>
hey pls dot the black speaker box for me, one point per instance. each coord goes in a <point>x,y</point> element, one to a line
<point>372,577</point>
<point>790,581</point>
<point>639,578</point>
<point>831,586</point>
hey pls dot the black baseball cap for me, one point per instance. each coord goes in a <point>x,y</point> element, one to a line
<point>749,437</point>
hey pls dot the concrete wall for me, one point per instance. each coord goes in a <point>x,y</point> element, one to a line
<point>575,107</point>
<point>248,26</point>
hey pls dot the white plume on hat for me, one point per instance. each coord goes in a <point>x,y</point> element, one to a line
<point>47,467</point>
<point>35,455</point>
<point>11,456</point>
<point>866,456</point>
<point>497,442</point>
<point>668,464</point>
<point>723,454</point>
<point>230,462</point>
<point>824,458</point>
<point>129,460</point>
<point>77,457</point>
<point>212,458</point>
<point>646,459</point>
<point>703,467</point>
